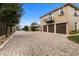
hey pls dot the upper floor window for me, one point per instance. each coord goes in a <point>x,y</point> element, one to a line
<point>76,13</point>
<point>61,12</point>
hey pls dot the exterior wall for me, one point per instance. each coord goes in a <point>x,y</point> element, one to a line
<point>43,20</point>
<point>78,22</point>
<point>60,18</point>
<point>41,24</point>
<point>56,17</point>
<point>67,18</point>
<point>72,19</point>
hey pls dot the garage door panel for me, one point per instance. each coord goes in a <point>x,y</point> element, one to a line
<point>51,28</point>
<point>61,28</point>
<point>44,28</point>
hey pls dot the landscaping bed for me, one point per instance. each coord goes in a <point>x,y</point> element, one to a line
<point>2,39</point>
<point>74,38</point>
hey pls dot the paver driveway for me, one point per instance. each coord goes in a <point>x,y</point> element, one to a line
<point>39,43</point>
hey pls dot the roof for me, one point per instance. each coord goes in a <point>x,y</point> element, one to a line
<point>72,5</point>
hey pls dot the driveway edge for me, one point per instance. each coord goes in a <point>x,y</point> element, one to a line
<point>6,41</point>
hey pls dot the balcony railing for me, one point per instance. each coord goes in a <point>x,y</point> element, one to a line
<point>49,19</point>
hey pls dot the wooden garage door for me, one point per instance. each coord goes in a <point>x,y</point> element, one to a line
<point>44,28</point>
<point>51,28</point>
<point>61,28</point>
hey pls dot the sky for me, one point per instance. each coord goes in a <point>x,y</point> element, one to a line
<point>33,11</point>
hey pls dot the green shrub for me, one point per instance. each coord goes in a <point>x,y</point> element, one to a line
<point>26,28</point>
<point>74,32</point>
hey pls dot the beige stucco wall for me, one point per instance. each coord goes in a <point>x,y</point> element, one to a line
<point>43,20</point>
<point>60,18</point>
<point>72,19</point>
<point>57,18</point>
<point>68,17</point>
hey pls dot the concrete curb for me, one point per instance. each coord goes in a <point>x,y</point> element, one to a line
<point>6,41</point>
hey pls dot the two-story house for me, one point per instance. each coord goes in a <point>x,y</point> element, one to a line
<point>61,20</point>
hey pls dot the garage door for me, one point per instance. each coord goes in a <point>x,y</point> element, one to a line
<point>51,28</point>
<point>61,28</point>
<point>44,28</point>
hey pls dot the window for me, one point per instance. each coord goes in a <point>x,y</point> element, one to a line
<point>76,13</point>
<point>61,12</point>
<point>76,26</point>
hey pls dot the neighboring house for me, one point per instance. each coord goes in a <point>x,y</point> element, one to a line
<point>61,20</point>
<point>34,27</point>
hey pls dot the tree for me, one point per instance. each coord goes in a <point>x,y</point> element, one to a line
<point>10,14</point>
<point>34,26</point>
<point>16,13</point>
<point>26,28</point>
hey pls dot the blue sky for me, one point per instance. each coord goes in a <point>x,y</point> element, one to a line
<point>33,11</point>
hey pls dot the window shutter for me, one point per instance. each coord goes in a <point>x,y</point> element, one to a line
<point>76,13</point>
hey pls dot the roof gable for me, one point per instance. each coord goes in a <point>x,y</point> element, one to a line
<point>70,4</point>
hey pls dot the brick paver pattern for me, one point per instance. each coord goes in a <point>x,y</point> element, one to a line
<point>39,44</point>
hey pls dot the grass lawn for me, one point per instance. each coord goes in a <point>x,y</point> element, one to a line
<point>74,38</point>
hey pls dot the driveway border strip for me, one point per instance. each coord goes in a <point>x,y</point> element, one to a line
<point>6,41</point>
